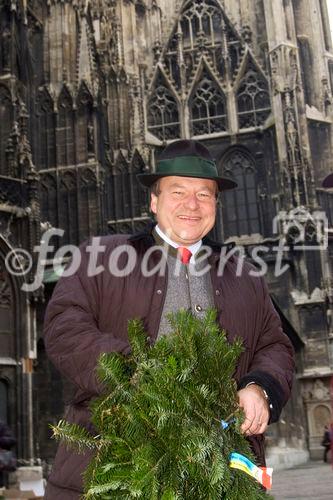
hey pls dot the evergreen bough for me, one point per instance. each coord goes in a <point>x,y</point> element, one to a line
<point>158,424</point>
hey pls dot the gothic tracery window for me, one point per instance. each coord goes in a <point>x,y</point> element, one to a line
<point>125,197</point>
<point>163,114</point>
<point>253,99</point>
<point>204,37</point>
<point>66,135</point>
<point>119,109</point>
<point>201,17</point>
<point>306,63</point>
<point>240,205</point>
<point>46,147</point>
<point>85,140</point>
<point>208,107</point>
<point>202,29</point>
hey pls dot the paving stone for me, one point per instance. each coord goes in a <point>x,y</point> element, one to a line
<point>312,481</point>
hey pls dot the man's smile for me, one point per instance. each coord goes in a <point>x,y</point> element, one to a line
<point>189,218</point>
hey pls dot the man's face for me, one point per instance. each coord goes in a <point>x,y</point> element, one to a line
<point>185,209</point>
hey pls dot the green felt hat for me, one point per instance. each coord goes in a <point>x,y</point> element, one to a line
<point>186,158</point>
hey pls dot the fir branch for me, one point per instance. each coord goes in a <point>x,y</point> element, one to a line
<point>74,436</point>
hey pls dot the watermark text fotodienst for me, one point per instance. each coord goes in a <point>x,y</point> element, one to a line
<point>297,230</point>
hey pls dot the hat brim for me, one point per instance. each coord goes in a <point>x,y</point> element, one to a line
<point>223,183</point>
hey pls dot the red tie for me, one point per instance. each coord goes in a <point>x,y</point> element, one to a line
<point>185,254</point>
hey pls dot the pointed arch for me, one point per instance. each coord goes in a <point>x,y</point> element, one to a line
<point>6,121</point>
<point>240,205</point>
<point>201,16</point>
<point>12,304</point>
<point>138,164</point>
<point>113,75</point>
<point>252,95</point>
<point>85,144</point>
<point>13,337</point>
<point>123,76</point>
<point>121,165</point>
<point>87,178</point>
<point>66,134</point>
<point>163,111</point>
<point>202,27</point>
<point>119,108</point>
<point>208,105</point>
<point>46,146</point>
<point>205,18</point>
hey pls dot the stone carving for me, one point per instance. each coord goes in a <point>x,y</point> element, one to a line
<point>110,49</point>
<point>285,69</point>
<point>316,391</point>
<point>88,178</point>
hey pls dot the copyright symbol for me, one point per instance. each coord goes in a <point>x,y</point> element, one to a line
<point>18,262</point>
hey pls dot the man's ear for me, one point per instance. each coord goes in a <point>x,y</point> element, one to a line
<point>153,203</point>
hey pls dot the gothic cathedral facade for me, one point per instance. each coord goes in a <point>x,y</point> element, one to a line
<point>90,93</point>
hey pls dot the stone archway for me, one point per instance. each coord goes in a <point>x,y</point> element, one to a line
<point>16,348</point>
<point>321,415</point>
<point>9,357</point>
<point>316,396</point>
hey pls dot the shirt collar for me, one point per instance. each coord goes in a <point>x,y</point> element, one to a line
<point>192,248</point>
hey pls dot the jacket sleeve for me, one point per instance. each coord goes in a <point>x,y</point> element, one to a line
<point>72,338</point>
<point>272,365</point>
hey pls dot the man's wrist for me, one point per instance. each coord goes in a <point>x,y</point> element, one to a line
<point>272,386</point>
<point>263,391</point>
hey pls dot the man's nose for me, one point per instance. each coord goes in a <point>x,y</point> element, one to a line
<point>192,202</point>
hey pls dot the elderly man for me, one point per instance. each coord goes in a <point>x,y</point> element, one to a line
<point>88,315</point>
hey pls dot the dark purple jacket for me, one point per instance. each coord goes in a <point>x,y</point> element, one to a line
<point>88,316</point>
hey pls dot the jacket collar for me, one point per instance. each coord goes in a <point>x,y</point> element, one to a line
<point>145,240</point>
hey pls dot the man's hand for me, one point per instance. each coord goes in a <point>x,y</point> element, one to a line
<point>256,409</point>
